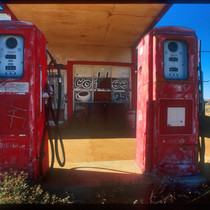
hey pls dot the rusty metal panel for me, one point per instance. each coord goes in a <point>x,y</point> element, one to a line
<point>143,138</point>
<point>176,158</point>
<point>14,113</point>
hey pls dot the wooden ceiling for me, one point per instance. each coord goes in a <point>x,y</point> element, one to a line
<point>98,25</point>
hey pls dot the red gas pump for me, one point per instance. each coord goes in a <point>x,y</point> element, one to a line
<point>23,71</point>
<point>167,104</point>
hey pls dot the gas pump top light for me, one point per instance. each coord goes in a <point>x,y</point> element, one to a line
<point>11,42</point>
<point>172,46</point>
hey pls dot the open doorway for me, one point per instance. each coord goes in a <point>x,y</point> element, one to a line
<point>99,138</point>
<point>100,100</point>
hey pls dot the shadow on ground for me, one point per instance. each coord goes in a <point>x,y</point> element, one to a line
<point>103,185</point>
<point>87,185</point>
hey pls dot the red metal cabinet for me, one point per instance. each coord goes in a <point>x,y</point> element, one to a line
<point>21,107</point>
<point>167,102</point>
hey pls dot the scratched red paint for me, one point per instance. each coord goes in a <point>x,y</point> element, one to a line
<point>162,146</point>
<point>22,122</point>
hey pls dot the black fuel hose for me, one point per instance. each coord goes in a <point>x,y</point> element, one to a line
<point>57,137</point>
<point>57,130</point>
<point>57,134</point>
<point>48,109</point>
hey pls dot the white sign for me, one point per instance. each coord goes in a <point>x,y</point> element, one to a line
<point>14,87</point>
<point>176,116</point>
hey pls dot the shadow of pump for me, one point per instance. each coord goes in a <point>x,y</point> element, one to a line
<point>204,126</point>
<point>204,133</point>
<point>92,184</point>
<point>103,185</point>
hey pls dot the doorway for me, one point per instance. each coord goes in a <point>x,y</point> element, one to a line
<point>100,99</point>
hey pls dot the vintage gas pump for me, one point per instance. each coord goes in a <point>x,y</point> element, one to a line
<point>23,72</point>
<point>167,103</point>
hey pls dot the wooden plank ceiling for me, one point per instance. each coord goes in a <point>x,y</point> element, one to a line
<point>98,25</point>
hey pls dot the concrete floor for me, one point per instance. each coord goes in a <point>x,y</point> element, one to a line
<point>116,155</point>
<point>93,162</point>
<point>99,170</point>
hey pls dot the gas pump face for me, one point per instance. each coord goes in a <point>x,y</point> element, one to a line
<point>11,56</point>
<point>175,60</point>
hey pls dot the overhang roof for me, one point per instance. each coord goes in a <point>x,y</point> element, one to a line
<point>104,25</point>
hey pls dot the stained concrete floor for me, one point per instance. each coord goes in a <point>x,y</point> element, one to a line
<point>93,162</point>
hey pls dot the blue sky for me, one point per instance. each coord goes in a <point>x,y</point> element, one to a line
<point>196,17</point>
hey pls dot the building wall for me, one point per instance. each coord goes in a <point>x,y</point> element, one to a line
<point>87,53</point>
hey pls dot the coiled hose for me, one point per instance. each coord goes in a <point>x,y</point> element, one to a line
<point>57,137</point>
<point>57,130</point>
<point>57,134</point>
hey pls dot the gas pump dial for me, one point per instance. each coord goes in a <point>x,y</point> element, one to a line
<point>175,59</point>
<point>11,56</point>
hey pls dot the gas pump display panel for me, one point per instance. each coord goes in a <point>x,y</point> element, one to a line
<point>11,56</point>
<point>175,60</point>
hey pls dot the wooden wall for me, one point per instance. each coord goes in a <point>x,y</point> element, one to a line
<point>85,53</point>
